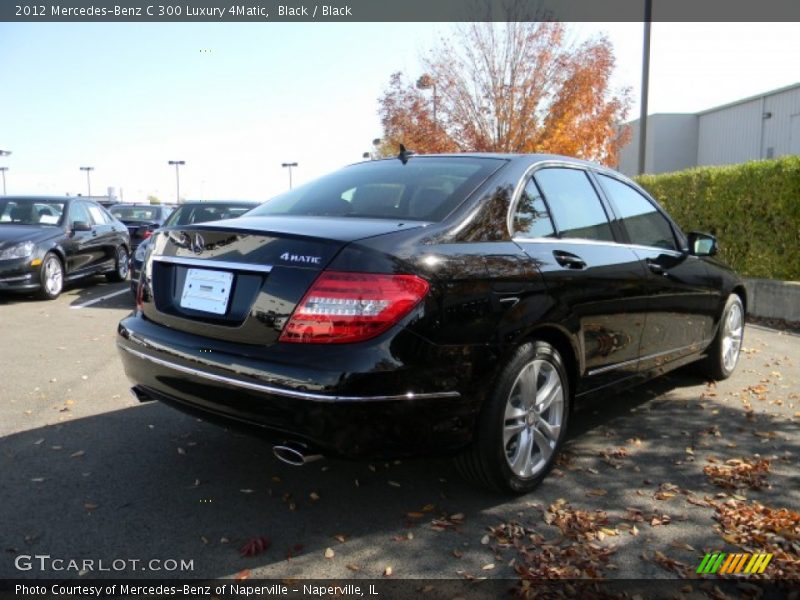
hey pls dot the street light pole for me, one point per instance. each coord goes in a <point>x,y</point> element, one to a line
<point>4,169</point>
<point>424,83</point>
<point>289,165</point>
<point>88,179</point>
<point>648,16</point>
<point>177,164</point>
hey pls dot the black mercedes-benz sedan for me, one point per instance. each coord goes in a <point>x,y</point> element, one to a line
<point>141,219</point>
<point>189,213</point>
<point>46,241</point>
<point>457,304</point>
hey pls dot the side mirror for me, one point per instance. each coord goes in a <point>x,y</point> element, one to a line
<point>81,226</point>
<point>702,244</point>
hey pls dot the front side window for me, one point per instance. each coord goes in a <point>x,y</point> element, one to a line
<point>574,204</point>
<point>644,224</point>
<point>532,219</point>
<point>422,189</point>
<point>78,212</point>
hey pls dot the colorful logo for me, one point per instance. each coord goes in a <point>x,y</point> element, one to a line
<point>733,564</point>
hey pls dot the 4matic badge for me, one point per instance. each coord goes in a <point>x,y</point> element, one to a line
<point>300,258</point>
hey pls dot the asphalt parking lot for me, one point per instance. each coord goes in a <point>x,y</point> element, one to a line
<point>88,473</point>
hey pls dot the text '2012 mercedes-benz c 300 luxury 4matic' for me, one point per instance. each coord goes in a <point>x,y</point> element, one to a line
<point>432,304</point>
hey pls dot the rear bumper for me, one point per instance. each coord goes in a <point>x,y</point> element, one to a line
<point>357,411</point>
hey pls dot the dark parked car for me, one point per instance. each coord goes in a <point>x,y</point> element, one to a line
<point>46,241</point>
<point>428,304</point>
<point>188,214</point>
<point>141,219</point>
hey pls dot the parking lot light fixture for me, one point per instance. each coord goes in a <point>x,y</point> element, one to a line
<point>88,179</point>
<point>5,152</point>
<point>177,164</point>
<point>3,171</point>
<point>289,165</point>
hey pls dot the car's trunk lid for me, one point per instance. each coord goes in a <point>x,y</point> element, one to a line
<point>241,279</point>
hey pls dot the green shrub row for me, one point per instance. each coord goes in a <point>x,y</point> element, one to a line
<point>752,208</point>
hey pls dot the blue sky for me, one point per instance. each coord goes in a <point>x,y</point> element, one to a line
<point>236,100</point>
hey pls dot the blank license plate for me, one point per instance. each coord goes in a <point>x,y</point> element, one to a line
<point>207,290</point>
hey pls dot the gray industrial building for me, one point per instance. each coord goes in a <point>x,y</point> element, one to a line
<point>759,127</point>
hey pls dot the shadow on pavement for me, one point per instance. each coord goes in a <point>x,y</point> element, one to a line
<point>146,481</point>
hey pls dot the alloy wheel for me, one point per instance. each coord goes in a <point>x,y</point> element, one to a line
<point>733,330</point>
<point>122,263</point>
<point>53,276</point>
<point>533,417</point>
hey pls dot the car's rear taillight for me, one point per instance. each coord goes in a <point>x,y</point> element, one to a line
<point>351,307</point>
<point>146,234</point>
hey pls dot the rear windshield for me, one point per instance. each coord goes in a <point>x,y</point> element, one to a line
<point>202,213</point>
<point>136,213</point>
<point>424,189</point>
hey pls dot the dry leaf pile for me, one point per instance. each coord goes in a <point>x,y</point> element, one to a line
<point>758,528</point>
<point>739,473</point>
<point>577,554</point>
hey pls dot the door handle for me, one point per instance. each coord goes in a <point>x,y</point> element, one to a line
<point>569,260</point>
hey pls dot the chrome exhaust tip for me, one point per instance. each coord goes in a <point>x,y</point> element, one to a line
<point>139,395</point>
<point>294,453</point>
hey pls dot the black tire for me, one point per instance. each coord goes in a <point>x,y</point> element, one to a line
<point>51,277</point>
<point>121,266</point>
<point>716,366</point>
<point>486,461</point>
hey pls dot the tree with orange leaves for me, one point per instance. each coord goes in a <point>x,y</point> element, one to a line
<point>510,87</point>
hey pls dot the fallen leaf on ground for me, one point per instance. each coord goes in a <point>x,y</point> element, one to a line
<point>254,546</point>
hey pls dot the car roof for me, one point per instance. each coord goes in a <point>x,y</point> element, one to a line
<point>218,202</point>
<point>42,198</point>
<point>507,156</point>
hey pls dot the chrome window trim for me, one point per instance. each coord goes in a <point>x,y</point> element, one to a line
<point>276,391</point>
<point>555,163</point>
<point>210,263</point>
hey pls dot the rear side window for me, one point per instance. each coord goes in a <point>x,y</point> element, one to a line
<point>97,214</point>
<point>574,204</point>
<point>423,189</point>
<point>531,219</point>
<point>644,224</point>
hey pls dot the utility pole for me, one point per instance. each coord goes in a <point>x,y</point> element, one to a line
<point>3,171</point>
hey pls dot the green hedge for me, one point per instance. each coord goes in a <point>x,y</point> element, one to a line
<point>752,208</point>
